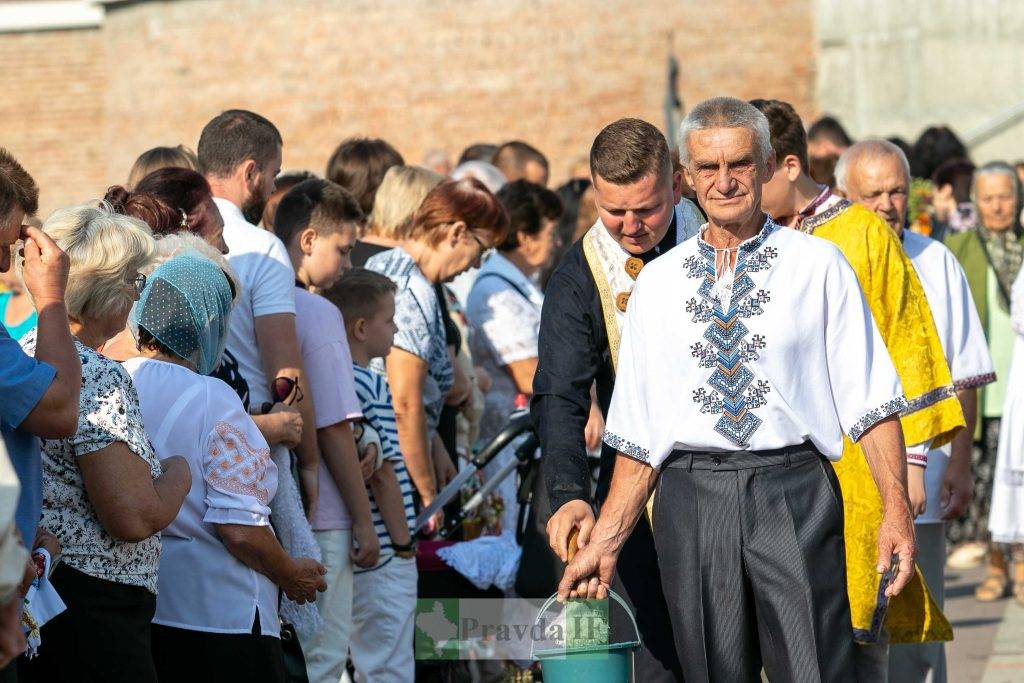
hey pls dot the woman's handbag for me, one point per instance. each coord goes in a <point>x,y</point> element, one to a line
<point>294,660</point>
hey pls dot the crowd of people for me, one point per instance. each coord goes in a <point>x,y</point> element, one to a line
<point>229,390</point>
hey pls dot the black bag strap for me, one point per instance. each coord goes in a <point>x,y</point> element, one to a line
<point>506,279</point>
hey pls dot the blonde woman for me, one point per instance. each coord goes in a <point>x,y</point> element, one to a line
<point>400,193</point>
<point>161,157</point>
<point>105,494</point>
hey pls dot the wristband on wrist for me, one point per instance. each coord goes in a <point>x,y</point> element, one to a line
<point>404,547</point>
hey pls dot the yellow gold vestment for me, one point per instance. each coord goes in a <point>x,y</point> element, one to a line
<point>904,319</point>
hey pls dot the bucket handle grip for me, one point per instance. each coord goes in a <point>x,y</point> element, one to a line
<point>612,594</point>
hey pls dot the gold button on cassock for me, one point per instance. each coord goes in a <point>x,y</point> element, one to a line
<point>633,266</point>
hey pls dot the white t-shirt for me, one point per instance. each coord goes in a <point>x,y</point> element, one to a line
<point>202,586</point>
<point>962,336</point>
<point>788,353</point>
<point>268,287</point>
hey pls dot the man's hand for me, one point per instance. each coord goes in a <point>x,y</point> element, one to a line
<point>589,574</point>
<point>286,425</point>
<point>915,490</point>
<point>366,546</point>
<point>305,580</point>
<point>896,537</point>
<point>12,639</point>
<point>576,514</point>
<point>957,490</point>
<point>886,455</point>
<point>45,267</point>
<point>44,539</point>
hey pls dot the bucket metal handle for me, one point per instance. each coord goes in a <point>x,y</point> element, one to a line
<point>612,594</point>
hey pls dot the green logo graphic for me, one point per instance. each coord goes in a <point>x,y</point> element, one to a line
<point>437,628</point>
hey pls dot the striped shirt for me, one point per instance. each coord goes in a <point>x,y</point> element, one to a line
<point>375,399</point>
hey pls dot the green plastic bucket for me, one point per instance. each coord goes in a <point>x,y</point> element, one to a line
<point>607,663</point>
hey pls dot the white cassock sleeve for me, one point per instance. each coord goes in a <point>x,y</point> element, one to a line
<point>628,428</point>
<point>970,360</point>
<point>864,383</point>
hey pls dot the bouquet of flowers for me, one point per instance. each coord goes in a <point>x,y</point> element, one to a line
<point>919,206</point>
<point>486,518</point>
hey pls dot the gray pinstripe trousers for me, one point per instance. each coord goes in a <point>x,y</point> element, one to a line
<point>752,563</point>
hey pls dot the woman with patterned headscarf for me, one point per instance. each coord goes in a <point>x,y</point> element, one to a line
<point>222,564</point>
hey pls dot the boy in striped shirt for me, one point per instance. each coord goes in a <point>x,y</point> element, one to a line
<point>384,603</point>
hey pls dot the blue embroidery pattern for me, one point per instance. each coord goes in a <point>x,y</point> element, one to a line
<point>727,347</point>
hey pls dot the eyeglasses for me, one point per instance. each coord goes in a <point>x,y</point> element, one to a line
<point>485,251</point>
<point>483,247</point>
<point>139,282</point>
<point>286,390</point>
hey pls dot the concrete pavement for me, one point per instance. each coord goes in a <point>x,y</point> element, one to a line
<point>988,645</point>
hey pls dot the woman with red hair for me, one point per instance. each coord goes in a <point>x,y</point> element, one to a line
<point>456,223</point>
<point>171,200</point>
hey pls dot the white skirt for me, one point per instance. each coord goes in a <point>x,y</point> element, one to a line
<point>1006,515</point>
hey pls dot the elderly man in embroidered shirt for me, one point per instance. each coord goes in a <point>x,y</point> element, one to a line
<point>783,359</point>
<point>876,175</point>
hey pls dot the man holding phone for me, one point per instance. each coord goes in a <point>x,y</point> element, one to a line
<point>40,395</point>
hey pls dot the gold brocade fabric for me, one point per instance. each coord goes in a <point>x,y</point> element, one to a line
<point>897,301</point>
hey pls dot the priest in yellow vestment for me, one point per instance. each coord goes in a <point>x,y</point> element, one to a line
<point>898,305</point>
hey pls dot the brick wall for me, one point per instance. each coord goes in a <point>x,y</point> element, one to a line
<point>420,73</point>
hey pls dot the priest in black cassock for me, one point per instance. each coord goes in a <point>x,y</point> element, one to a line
<point>640,216</point>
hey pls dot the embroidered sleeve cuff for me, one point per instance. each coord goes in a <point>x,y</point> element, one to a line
<point>974,382</point>
<point>917,458</point>
<point>927,399</point>
<point>627,447</point>
<point>873,417</point>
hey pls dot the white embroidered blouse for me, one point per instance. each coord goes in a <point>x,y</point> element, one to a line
<point>785,352</point>
<point>504,315</point>
<point>203,587</point>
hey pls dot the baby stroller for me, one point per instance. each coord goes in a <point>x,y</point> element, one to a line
<point>436,578</point>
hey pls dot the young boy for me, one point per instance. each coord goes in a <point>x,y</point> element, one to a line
<point>385,597</point>
<point>317,221</point>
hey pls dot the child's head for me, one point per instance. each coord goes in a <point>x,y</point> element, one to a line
<point>318,222</point>
<point>367,303</point>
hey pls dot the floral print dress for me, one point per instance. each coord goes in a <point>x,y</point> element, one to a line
<point>108,413</point>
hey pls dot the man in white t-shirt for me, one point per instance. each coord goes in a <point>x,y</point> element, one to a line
<point>876,174</point>
<point>240,154</point>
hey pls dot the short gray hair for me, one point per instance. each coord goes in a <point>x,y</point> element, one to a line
<point>488,174</point>
<point>997,168</point>
<point>178,243</point>
<point>726,112</point>
<point>106,249</point>
<point>872,148</point>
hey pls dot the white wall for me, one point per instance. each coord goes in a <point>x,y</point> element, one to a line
<point>896,66</point>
